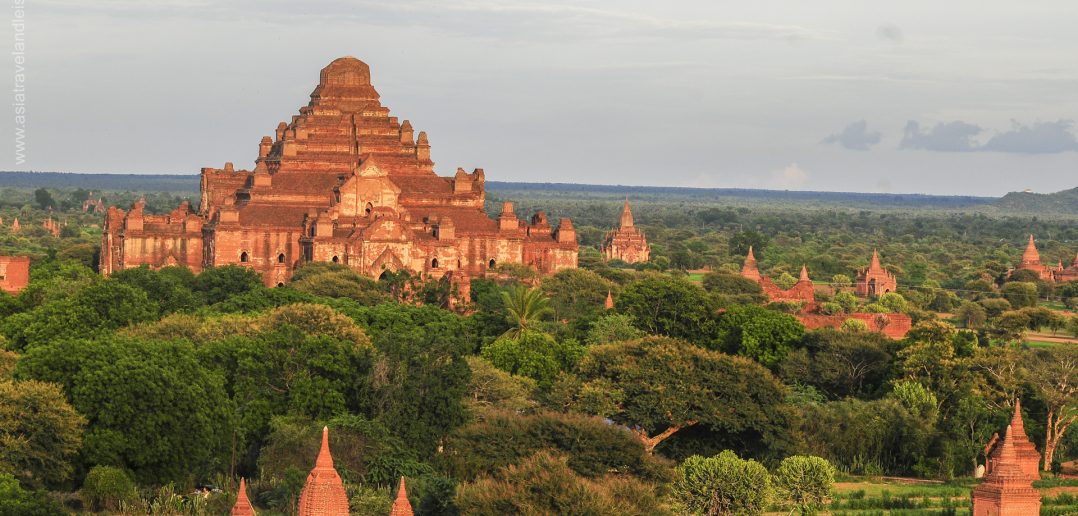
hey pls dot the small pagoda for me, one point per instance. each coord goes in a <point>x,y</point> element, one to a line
<point>1007,490</point>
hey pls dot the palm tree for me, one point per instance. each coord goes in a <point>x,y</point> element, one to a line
<point>525,307</point>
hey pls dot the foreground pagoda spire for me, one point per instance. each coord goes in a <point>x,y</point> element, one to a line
<point>1008,489</point>
<point>401,506</point>
<point>243,505</point>
<point>323,494</point>
<point>1028,457</point>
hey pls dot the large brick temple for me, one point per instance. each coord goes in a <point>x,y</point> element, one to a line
<point>342,182</point>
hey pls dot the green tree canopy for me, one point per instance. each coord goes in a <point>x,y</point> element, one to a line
<point>40,433</point>
<point>534,355</point>
<point>576,293</point>
<point>672,307</point>
<point>666,385</point>
<point>151,407</point>
<point>758,333</point>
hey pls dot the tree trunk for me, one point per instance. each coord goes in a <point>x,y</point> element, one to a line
<point>1053,435</point>
<point>651,442</point>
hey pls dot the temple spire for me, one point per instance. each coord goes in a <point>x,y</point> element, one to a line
<point>401,506</point>
<point>875,265</point>
<point>626,215</point>
<point>323,494</point>
<point>243,505</point>
<point>609,300</point>
<point>1017,426</point>
<point>1031,256</point>
<point>749,269</point>
<point>804,273</point>
<point>325,459</point>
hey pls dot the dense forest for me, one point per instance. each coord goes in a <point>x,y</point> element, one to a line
<point>691,395</point>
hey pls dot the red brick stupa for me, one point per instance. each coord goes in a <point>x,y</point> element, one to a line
<point>401,506</point>
<point>243,505</point>
<point>802,292</point>
<point>323,494</point>
<point>1029,459</point>
<point>1007,490</point>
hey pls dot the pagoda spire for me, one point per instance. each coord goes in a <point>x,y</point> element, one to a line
<point>875,265</point>
<point>609,300</point>
<point>1008,488</point>
<point>323,494</point>
<point>749,269</point>
<point>243,505</point>
<point>804,273</point>
<point>401,506</point>
<point>626,215</point>
<point>1031,256</point>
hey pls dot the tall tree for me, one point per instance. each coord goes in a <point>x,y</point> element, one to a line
<point>665,385</point>
<point>1054,374</point>
<point>40,433</point>
<point>44,199</point>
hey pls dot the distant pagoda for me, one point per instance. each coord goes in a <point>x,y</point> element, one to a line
<point>875,280</point>
<point>627,243</point>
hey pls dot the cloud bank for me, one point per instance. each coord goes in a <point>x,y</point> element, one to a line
<point>959,136</point>
<point>855,136</point>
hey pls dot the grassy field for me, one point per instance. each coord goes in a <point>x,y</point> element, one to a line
<point>878,498</point>
<point>1041,344</point>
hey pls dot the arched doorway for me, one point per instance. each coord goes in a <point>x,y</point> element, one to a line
<point>243,257</point>
<point>492,263</point>
<point>336,259</point>
<point>434,263</point>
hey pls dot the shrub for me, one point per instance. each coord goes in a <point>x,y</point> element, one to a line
<point>723,484</point>
<point>16,501</point>
<point>805,481</point>
<point>545,484</point>
<point>106,487</point>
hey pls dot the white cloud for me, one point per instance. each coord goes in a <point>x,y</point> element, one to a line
<point>790,178</point>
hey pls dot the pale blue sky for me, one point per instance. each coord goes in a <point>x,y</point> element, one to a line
<point>964,97</point>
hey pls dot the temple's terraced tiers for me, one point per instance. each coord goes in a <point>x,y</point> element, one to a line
<point>342,182</point>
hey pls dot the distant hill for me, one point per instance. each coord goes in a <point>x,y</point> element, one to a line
<point>190,183</point>
<point>1059,202</point>
<point>113,182</point>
